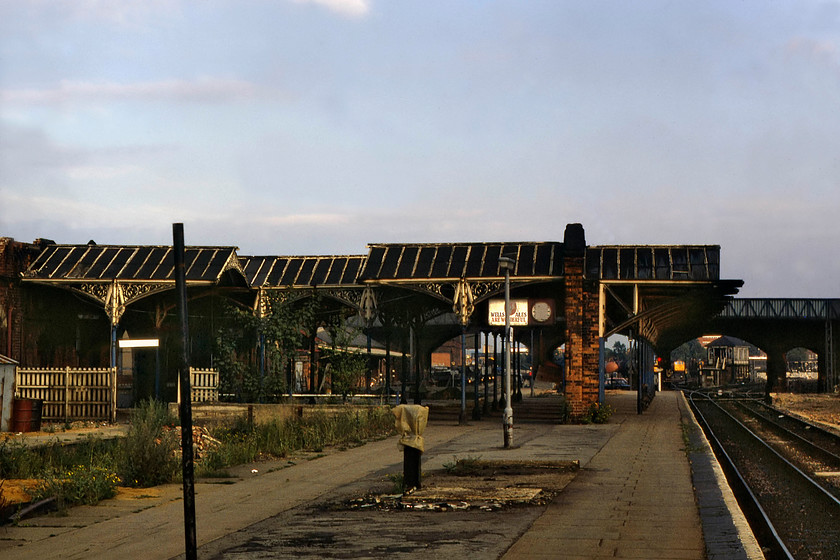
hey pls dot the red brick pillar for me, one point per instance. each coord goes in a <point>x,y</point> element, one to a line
<point>581,311</point>
<point>591,342</point>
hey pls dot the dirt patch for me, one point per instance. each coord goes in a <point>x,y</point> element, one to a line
<point>16,490</point>
<point>821,409</point>
<point>137,493</point>
<point>475,484</point>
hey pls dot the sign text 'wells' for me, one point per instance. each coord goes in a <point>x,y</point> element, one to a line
<point>523,312</point>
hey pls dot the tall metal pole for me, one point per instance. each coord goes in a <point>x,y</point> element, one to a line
<point>404,369</point>
<point>532,354</point>
<point>476,412</point>
<point>495,371</point>
<point>367,312</point>
<point>486,407</point>
<point>113,343</point>
<point>261,343</point>
<point>602,327</point>
<point>369,366</point>
<point>502,342</point>
<point>462,416</point>
<point>388,364</point>
<point>517,352</point>
<point>157,372</point>
<point>187,465</point>
<point>507,419</point>
<point>416,365</point>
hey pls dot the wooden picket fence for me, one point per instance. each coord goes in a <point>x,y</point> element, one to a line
<point>71,393</point>
<point>204,384</point>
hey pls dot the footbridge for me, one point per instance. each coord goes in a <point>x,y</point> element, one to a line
<point>780,324</point>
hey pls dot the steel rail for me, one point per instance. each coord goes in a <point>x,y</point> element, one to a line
<point>763,528</point>
<point>792,417</point>
<point>817,451</point>
<point>780,456</point>
<point>815,511</point>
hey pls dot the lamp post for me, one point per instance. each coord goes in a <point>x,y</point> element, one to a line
<point>507,264</point>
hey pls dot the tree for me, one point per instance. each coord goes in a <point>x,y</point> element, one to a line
<point>618,352</point>
<point>691,350</point>
<point>279,334</point>
<point>345,364</point>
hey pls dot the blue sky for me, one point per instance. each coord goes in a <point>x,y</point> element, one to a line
<point>316,127</point>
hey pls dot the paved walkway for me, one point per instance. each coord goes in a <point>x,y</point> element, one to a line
<point>633,497</point>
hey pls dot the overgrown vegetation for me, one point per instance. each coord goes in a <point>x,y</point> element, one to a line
<point>465,466</point>
<point>91,470</point>
<point>397,482</point>
<point>20,461</point>
<point>255,352</point>
<point>344,365</point>
<point>82,484</point>
<point>147,455</point>
<point>273,337</point>
<point>597,414</point>
<point>242,442</point>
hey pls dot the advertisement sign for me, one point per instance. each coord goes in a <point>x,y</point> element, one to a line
<point>518,312</point>
<point>524,312</point>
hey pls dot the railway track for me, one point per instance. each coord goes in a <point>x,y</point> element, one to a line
<point>812,448</point>
<point>786,483</point>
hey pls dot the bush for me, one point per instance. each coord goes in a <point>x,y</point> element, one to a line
<point>83,484</point>
<point>148,454</point>
<point>597,414</point>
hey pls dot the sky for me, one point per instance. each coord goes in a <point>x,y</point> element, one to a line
<point>315,127</point>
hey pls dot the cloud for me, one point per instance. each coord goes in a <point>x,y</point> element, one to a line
<point>351,8</point>
<point>817,49</point>
<point>824,53</point>
<point>126,13</point>
<point>300,219</point>
<point>203,90</point>
<point>99,172</point>
<point>42,214</point>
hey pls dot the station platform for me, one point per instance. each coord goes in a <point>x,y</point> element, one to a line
<point>648,487</point>
<point>654,491</point>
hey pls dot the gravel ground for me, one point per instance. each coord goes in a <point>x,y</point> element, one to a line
<point>818,408</point>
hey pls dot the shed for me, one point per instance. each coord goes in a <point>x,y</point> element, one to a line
<point>8,369</point>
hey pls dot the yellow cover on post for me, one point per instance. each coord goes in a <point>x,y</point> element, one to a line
<point>411,420</point>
